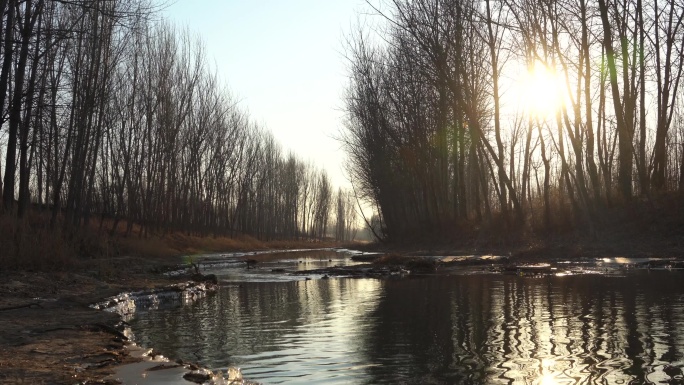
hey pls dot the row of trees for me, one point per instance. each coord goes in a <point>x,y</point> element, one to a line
<point>108,114</point>
<point>435,137</point>
<point>345,216</point>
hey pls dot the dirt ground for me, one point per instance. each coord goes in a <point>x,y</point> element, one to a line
<point>49,335</point>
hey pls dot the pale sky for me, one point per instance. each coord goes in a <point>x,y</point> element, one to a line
<point>283,59</point>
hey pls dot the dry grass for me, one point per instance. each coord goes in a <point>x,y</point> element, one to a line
<point>37,247</point>
<point>392,259</point>
<point>149,247</point>
<point>32,244</point>
<point>182,244</point>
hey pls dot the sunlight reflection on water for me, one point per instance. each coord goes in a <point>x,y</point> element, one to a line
<point>459,329</point>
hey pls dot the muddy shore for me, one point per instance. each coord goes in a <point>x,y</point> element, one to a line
<point>50,335</point>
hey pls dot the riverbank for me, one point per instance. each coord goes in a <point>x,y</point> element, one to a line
<point>629,240</point>
<point>48,332</point>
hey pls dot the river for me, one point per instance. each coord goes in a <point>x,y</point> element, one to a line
<point>597,327</point>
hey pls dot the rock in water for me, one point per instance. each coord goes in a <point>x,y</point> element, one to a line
<point>209,278</point>
<point>199,376</point>
<point>234,374</point>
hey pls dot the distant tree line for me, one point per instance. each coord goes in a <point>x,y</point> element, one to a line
<point>433,140</point>
<point>345,216</point>
<point>108,114</point>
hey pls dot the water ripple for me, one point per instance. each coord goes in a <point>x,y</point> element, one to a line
<point>461,329</point>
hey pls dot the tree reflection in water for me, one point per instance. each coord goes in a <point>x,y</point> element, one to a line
<point>511,330</point>
<point>463,329</point>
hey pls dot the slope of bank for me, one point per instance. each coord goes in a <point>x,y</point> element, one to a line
<point>48,332</point>
<point>544,249</point>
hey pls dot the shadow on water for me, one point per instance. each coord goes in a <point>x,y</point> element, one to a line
<point>462,329</point>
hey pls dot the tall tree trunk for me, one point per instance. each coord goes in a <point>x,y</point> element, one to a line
<point>24,161</point>
<point>588,110</point>
<point>623,123</point>
<point>641,156</point>
<point>8,51</point>
<point>492,43</point>
<point>15,110</point>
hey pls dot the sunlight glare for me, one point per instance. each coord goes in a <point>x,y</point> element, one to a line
<point>542,90</point>
<point>548,379</point>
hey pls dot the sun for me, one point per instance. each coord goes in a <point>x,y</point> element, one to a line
<point>542,90</point>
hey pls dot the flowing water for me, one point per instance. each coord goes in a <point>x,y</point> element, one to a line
<point>439,329</point>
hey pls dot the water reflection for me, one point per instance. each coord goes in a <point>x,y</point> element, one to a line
<point>470,329</point>
<point>512,330</point>
<point>276,331</point>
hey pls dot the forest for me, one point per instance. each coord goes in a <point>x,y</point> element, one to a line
<point>460,115</point>
<point>113,119</point>
<point>526,114</point>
